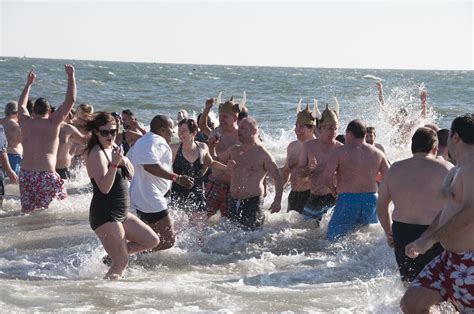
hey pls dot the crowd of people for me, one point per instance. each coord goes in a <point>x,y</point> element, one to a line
<point>226,169</point>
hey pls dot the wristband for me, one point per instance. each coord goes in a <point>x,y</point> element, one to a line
<point>114,165</point>
<point>174,177</point>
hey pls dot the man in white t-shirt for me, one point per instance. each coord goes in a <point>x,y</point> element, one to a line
<point>152,160</point>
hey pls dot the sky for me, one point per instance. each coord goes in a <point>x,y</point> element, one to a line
<point>350,34</point>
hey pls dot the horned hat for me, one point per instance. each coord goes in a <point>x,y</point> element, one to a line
<point>230,106</point>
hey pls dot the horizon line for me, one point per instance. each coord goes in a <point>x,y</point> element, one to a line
<point>239,65</point>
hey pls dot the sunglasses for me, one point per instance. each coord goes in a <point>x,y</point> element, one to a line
<point>105,133</point>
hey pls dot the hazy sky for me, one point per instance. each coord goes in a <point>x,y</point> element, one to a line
<point>355,34</point>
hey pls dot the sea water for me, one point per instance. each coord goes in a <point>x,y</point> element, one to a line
<point>50,260</point>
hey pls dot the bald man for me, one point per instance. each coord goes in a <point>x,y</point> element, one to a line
<point>152,160</point>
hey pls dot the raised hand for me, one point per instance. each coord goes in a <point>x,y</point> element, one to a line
<point>209,103</point>
<point>423,96</point>
<point>31,77</point>
<point>69,68</point>
<point>379,86</point>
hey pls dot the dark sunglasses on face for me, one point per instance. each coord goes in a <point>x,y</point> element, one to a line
<point>105,133</point>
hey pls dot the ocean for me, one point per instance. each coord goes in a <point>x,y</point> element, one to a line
<point>51,260</point>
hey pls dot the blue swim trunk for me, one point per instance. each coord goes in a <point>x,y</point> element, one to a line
<point>352,211</point>
<point>15,162</point>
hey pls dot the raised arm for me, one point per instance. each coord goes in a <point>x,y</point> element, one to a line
<point>423,98</point>
<point>23,114</point>
<point>62,112</point>
<point>380,93</point>
<point>205,116</point>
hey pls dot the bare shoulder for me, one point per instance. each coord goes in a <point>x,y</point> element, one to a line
<point>294,145</point>
<point>10,123</point>
<point>444,164</point>
<point>202,146</point>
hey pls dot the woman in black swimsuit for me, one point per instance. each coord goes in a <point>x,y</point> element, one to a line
<point>120,232</point>
<point>191,158</point>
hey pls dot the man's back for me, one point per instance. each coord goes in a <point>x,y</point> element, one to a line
<point>358,166</point>
<point>13,134</point>
<point>40,143</point>
<point>414,186</point>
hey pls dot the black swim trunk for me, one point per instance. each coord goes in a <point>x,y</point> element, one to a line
<point>2,187</point>
<point>64,173</point>
<point>297,200</point>
<point>404,234</point>
<point>317,206</point>
<point>247,213</point>
<point>151,218</point>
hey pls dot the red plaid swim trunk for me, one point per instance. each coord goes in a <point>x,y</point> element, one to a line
<point>39,188</point>
<point>452,275</point>
<point>217,197</point>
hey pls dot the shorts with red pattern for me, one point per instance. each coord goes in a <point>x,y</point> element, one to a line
<point>39,188</point>
<point>452,275</point>
<point>217,197</point>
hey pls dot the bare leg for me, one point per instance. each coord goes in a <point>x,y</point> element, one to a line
<point>419,300</point>
<point>164,228</point>
<point>140,236</point>
<point>112,236</point>
<point>199,220</point>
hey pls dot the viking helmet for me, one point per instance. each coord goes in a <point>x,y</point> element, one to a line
<point>230,106</point>
<point>330,117</point>
<point>305,116</point>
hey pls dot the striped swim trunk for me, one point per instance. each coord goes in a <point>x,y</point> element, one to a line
<point>217,197</point>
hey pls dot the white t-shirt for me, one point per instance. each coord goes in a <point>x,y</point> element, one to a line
<point>146,190</point>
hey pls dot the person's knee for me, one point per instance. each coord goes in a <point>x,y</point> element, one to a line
<point>152,241</point>
<point>411,302</point>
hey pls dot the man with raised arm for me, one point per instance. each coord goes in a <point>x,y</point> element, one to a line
<point>252,163</point>
<point>450,276</point>
<point>220,139</point>
<point>413,185</point>
<point>313,159</point>
<point>357,165</point>
<point>300,186</point>
<point>39,182</point>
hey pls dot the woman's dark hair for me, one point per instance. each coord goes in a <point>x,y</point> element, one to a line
<point>98,119</point>
<point>192,125</point>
